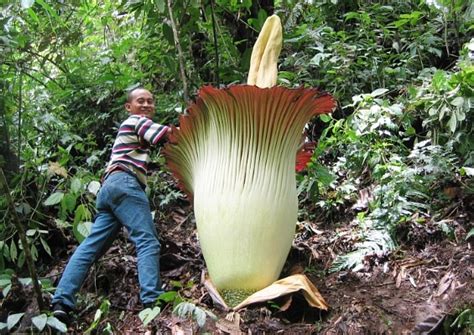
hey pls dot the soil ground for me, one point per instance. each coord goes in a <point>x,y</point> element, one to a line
<point>419,288</point>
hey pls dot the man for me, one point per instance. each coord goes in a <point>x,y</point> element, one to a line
<point>121,201</point>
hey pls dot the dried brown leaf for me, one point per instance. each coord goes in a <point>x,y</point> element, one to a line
<point>282,287</point>
<point>445,283</point>
<point>286,286</point>
<point>55,168</point>
<point>231,324</point>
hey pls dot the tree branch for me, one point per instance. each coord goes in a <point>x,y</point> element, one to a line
<point>63,69</point>
<point>39,81</point>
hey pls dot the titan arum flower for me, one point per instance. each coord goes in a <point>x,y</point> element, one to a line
<point>234,154</point>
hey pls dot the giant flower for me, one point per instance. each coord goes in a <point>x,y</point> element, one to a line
<point>234,154</point>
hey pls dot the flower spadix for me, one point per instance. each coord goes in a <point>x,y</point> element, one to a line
<point>263,71</point>
<point>235,154</point>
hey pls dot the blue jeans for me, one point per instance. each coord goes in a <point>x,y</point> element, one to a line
<point>120,201</point>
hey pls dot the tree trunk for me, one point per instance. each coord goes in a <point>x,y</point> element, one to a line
<point>180,52</point>
<point>8,159</point>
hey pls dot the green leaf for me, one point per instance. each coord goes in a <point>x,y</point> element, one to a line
<point>81,214</point>
<point>33,15</point>
<point>54,199</point>
<point>108,329</point>
<point>323,175</point>
<point>25,281</point>
<point>378,92</point>
<point>436,51</point>
<point>97,316</point>
<point>262,16</point>
<point>170,63</point>
<point>184,309</point>
<point>444,110</point>
<point>27,3</point>
<point>13,251</point>
<point>200,316</point>
<point>13,319</point>
<point>68,203</point>
<point>440,80</point>
<point>6,289</point>
<point>6,281</point>
<point>105,306</point>
<point>34,252</point>
<point>45,246</point>
<point>93,187</point>
<point>99,313</point>
<point>168,296</point>
<point>351,15</point>
<point>325,118</point>
<point>56,324</point>
<point>76,185</point>
<point>31,232</point>
<point>160,5</point>
<point>49,10</point>
<point>460,115</point>
<point>39,321</point>
<point>81,230</point>
<point>467,171</point>
<point>23,208</point>
<point>470,234</point>
<point>168,33</point>
<point>458,102</point>
<point>452,123</point>
<point>148,314</point>
<point>400,23</point>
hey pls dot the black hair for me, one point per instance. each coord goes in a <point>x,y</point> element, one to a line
<point>130,92</point>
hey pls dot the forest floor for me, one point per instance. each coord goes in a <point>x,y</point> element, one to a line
<point>419,288</point>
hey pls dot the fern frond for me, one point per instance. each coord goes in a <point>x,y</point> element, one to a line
<point>377,242</point>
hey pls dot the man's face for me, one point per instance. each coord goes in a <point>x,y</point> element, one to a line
<point>141,103</point>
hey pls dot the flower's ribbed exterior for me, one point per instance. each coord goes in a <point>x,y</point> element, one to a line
<point>235,154</point>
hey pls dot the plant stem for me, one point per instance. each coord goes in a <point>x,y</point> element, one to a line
<point>456,24</point>
<point>24,241</point>
<point>216,50</point>
<point>20,109</point>
<point>180,52</point>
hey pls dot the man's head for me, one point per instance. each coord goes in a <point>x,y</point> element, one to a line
<point>140,102</point>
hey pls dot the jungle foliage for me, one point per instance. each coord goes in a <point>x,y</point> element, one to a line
<point>402,72</point>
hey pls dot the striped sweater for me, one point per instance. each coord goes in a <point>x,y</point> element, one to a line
<point>131,147</point>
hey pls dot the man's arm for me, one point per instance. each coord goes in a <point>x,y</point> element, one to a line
<point>150,131</point>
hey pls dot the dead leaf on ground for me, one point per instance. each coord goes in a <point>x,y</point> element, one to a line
<point>445,283</point>
<point>285,286</point>
<point>404,266</point>
<point>177,330</point>
<point>231,324</point>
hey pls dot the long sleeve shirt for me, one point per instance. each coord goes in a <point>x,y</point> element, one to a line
<point>130,152</point>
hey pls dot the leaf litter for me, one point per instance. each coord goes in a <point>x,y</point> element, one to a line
<point>411,290</point>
